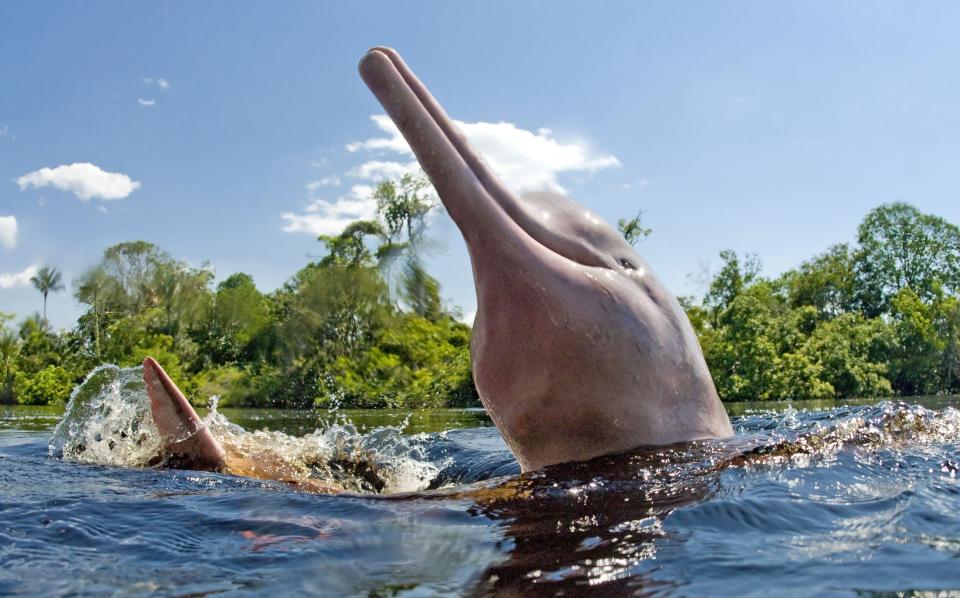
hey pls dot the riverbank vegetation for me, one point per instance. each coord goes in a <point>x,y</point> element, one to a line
<point>365,326</point>
<point>878,318</point>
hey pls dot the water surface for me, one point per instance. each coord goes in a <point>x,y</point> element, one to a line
<point>810,499</point>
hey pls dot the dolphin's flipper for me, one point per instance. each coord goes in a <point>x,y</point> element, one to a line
<point>187,443</point>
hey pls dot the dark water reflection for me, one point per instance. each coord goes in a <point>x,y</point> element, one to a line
<point>809,499</point>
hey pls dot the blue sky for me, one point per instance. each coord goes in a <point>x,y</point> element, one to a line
<point>756,126</point>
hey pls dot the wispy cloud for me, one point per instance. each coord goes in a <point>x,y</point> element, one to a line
<point>153,82</point>
<point>4,130</point>
<point>8,231</point>
<point>525,160</point>
<point>394,143</point>
<point>20,279</point>
<point>327,181</point>
<point>322,217</point>
<point>640,183</point>
<point>377,170</point>
<point>156,81</point>
<point>85,180</point>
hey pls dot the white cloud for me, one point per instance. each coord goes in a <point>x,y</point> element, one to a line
<point>469,317</point>
<point>528,161</point>
<point>4,129</point>
<point>83,179</point>
<point>146,103</point>
<point>20,279</point>
<point>376,170</point>
<point>640,183</point>
<point>394,143</point>
<point>327,181</point>
<point>323,217</point>
<point>8,231</point>
<point>524,160</point>
<point>158,81</point>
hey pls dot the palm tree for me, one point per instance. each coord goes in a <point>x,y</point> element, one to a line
<point>94,288</point>
<point>46,280</point>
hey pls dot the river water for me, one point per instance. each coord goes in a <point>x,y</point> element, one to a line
<point>808,499</point>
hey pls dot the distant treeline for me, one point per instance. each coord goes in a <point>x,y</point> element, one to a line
<point>879,318</point>
<point>362,327</point>
<point>365,325</point>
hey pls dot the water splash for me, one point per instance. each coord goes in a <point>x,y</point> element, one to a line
<point>857,499</point>
<point>335,458</point>
<point>889,425</point>
<point>108,422</point>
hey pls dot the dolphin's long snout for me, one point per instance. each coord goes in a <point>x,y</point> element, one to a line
<point>471,193</point>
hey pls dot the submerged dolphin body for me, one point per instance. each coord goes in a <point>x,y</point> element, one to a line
<point>578,350</point>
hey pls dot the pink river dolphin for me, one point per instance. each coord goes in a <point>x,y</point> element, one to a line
<point>578,349</point>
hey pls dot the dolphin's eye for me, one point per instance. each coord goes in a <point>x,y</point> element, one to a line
<point>626,264</point>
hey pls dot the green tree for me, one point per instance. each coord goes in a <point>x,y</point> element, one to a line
<point>901,247</point>
<point>827,282</point>
<point>633,230</point>
<point>239,317</point>
<point>950,331</point>
<point>421,292</point>
<point>181,292</point>
<point>736,274</point>
<point>413,362</point>
<point>9,350</point>
<point>349,248</point>
<point>131,268</point>
<point>94,288</point>
<point>749,337</point>
<point>52,384</point>
<point>915,362</point>
<point>47,280</point>
<point>326,313</point>
<point>403,206</point>
<point>852,352</point>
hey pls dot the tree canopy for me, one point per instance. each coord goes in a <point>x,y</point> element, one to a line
<point>365,325</point>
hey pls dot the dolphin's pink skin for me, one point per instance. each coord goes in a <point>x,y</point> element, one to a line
<point>578,350</point>
<point>187,442</point>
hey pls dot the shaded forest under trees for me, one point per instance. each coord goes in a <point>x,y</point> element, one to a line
<point>365,326</point>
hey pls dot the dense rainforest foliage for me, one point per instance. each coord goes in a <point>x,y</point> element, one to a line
<point>365,326</point>
<point>362,327</point>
